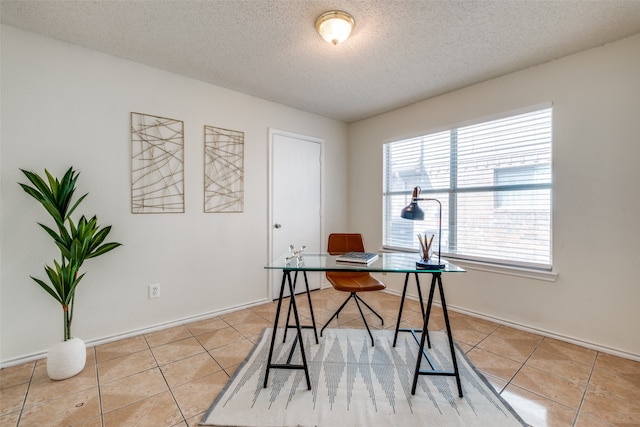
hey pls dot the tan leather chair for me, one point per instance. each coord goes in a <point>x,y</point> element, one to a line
<point>352,282</point>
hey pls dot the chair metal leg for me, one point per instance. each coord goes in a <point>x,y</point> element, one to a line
<point>335,314</point>
<point>369,307</point>
<point>363,318</point>
<point>358,300</point>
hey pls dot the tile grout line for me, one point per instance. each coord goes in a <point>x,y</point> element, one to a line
<point>24,400</point>
<point>149,369</point>
<point>559,376</point>
<point>586,389</point>
<point>95,362</point>
<point>526,360</point>
<point>521,363</point>
<point>477,345</point>
<point>164,378</point>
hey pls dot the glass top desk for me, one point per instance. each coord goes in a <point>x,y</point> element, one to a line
<point>392,262</point>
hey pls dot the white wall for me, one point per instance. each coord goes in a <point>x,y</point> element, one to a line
<point>64,106</point>
<point>596,205</point>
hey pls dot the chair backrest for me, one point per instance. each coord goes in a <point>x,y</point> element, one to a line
<point>340,243</point>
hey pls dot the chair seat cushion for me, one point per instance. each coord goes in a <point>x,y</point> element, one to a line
<point>354,282</point>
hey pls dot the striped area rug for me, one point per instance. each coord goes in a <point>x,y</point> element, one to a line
<point>356,384</point>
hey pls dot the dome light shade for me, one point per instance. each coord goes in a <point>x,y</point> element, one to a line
<point>335,26</point>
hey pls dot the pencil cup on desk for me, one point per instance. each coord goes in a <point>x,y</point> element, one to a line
<point>426,246</point>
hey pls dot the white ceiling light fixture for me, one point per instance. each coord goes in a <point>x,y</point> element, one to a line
<point>335,26</point>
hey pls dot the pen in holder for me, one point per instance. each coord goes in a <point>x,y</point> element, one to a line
<point>426,246</point>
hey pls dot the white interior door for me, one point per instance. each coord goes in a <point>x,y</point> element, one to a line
<point>295,196</point>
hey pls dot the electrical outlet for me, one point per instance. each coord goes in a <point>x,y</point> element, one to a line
<point>154,291</point>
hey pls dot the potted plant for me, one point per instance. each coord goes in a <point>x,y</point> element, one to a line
<point>77,242</point>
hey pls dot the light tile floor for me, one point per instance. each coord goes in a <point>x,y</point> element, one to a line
<point>170,377</point>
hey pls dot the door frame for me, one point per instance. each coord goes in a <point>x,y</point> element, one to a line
<point>273,288</point>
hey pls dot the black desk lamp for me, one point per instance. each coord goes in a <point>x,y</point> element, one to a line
<point>414,213</point>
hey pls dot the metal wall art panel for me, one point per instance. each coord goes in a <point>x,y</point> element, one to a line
<point>157,164</point>
<point>223,170</point>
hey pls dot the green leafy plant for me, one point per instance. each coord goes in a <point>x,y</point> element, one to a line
<point>77,241</point>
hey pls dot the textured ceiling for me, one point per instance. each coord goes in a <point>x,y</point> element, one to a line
<point>400,52</point>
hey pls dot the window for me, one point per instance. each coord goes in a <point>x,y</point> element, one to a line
<point>494,182</point>
<point>524,175</point>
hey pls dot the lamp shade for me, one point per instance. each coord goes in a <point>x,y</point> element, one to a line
<point>413,211</point>
<point>335,26</point>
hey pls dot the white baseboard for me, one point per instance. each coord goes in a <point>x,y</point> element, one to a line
<point>134,332</point>
<point>559,337</point>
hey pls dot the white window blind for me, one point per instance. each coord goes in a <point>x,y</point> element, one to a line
<point>494,182</point>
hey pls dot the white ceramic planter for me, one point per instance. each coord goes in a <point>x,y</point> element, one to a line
<point>66,359</point>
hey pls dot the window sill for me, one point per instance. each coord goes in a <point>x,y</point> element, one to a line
<point>529,273</point>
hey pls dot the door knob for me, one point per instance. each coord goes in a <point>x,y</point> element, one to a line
<point>277,225</point>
